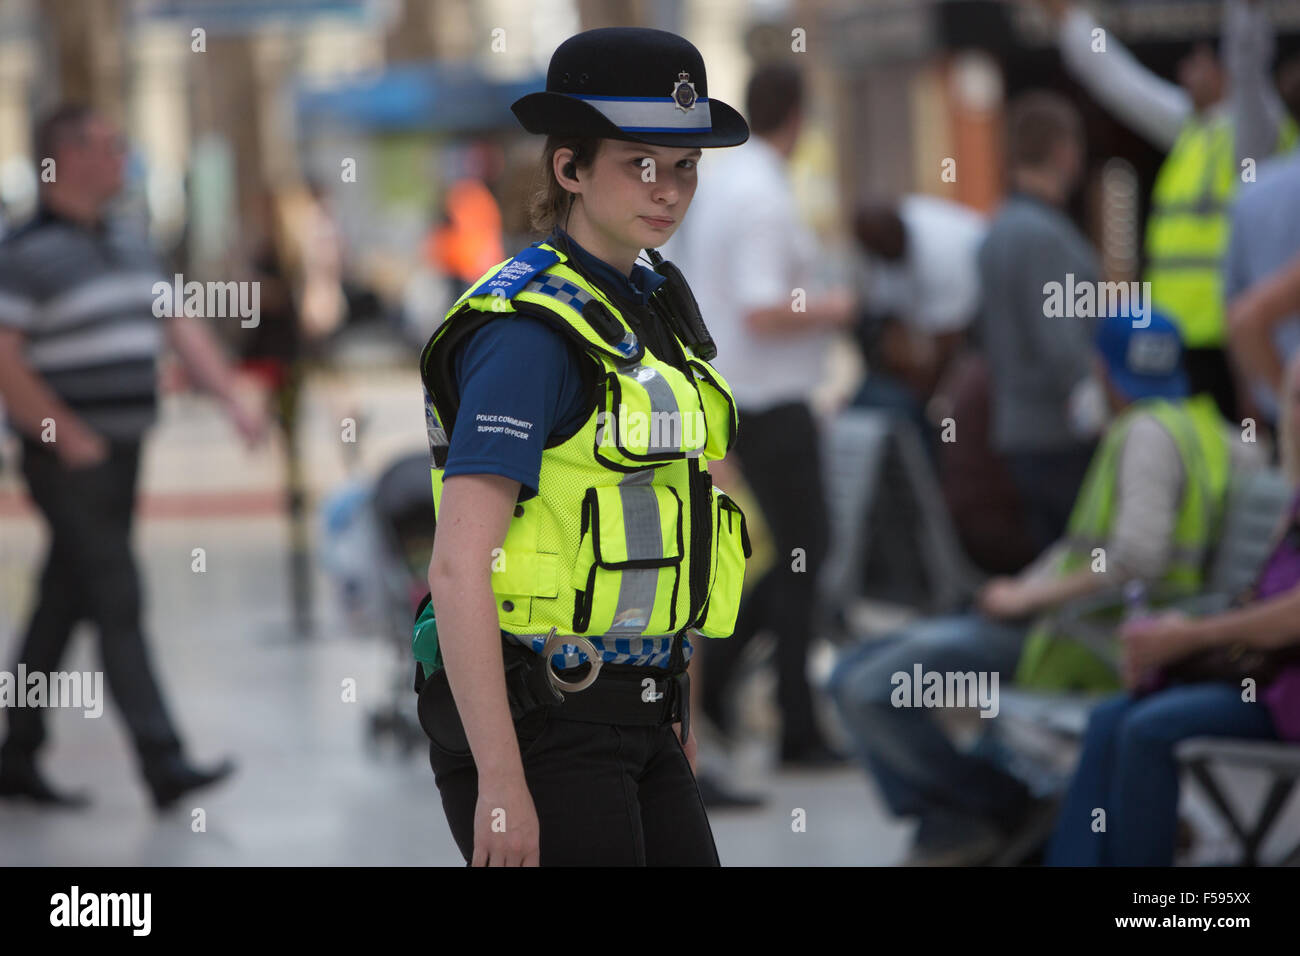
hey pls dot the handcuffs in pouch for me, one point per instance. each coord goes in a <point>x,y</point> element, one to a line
<point>530,685</point>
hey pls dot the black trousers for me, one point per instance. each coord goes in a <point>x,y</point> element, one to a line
<point>605,794</point>
<point>779,455</point>
<point>90,572</point>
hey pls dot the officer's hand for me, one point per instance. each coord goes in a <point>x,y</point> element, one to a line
<point>506,832</point>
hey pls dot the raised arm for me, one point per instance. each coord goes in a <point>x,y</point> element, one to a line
<point>1149,104</point>
<point>1257,110</point>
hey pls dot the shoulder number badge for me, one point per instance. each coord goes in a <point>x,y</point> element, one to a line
<point>684,92</point>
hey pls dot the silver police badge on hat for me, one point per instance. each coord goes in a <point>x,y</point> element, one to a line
<point>684,92</point>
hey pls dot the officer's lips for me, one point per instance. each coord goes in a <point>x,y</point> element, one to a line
<point>658,223</point>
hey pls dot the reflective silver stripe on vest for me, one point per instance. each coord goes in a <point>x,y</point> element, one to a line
<point>643,536</point>
<point>662,402</point>
<point>1206,205</point>
<point>562,289</point>
<point>644,539</point>
<point>1201,263</point>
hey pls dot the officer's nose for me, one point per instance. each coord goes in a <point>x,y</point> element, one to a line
<point>665,189</point>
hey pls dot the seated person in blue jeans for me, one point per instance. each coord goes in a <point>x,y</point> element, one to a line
<point>1128,767</point>
<point>1160,471</point>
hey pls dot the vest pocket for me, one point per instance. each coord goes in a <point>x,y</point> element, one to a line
<point>628,576</point>
<point>727,567</point>
<point>520,573</point>
<point>651,415</point>
<point>722,420</point>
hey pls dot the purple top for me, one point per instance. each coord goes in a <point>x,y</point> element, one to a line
<point>1282,573</point>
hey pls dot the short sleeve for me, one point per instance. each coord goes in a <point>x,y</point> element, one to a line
<point>518,379</point>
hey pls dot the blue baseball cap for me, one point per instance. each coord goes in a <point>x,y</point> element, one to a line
<point>1143,361</point>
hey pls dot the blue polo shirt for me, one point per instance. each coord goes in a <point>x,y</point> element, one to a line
<point>520,384</point>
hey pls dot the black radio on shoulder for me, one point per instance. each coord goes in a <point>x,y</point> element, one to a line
<point>677,302</point>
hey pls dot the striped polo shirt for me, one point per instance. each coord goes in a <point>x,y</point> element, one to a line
<point>83,298</point>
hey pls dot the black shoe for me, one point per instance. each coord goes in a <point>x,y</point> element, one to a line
<point>20,780</point>
<point>716,796</point>
<point>179,778</point>
<point>816,756</point>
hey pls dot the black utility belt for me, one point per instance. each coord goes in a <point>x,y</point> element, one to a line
<point>618,694</point>
<point>636,699</point>
<point>613,694</point>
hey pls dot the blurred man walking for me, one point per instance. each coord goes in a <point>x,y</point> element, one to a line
<point>78,345</point>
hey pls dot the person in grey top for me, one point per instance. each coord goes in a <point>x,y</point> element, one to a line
<point>80,334</point>
<point>1262,267</point>
<point>1038,360</point>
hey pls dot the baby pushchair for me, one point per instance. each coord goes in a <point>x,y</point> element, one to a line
<point>401,505</point>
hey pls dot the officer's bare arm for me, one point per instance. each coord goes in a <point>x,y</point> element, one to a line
<point>473,518</point>
<point>28,400</point>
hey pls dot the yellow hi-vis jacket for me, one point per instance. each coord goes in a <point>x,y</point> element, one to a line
<point>1187,230</point>
<point>1053,662</point>
<point>626,537</point>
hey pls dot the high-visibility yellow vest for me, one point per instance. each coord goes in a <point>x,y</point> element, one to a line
<point>1049,661</point>
<point>1187,230</point>
<point>627,537</point>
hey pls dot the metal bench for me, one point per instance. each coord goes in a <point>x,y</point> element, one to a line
<point>869,455</point>
<point>1281,761</point>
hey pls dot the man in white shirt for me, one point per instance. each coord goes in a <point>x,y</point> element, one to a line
<point>749,260</point>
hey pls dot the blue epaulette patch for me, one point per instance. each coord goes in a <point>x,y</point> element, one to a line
<point>518,272</point>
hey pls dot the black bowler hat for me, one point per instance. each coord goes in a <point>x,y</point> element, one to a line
<point>631,83</point>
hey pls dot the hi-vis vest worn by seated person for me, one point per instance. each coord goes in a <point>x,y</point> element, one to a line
<point>626,537</point>
<point>1052,660</point>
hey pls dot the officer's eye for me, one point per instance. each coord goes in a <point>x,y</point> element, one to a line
<point>691,163</point>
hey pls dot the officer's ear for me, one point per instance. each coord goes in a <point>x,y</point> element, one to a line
<point>569,169</point>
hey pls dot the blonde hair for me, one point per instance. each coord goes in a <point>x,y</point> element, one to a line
<point>1289,423</point>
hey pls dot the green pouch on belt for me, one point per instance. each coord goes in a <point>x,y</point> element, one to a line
<point>424,639</point>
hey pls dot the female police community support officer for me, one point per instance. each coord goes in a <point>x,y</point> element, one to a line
<point>572,412</point>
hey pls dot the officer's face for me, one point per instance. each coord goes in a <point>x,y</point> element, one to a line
<point>637,194</point>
